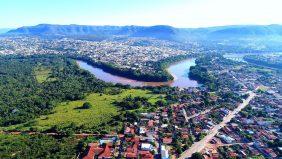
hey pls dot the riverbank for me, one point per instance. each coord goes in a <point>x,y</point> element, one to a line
<point>178,70</point>
<point>162,74</point>
<point>264,61</point>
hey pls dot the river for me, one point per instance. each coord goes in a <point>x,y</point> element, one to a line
<point>178,70</point>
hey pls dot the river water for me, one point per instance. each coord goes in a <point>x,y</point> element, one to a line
<point>178,70</point>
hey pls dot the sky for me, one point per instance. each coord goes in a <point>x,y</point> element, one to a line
<point>177,13</point>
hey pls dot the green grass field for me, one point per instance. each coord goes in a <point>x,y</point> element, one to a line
<point>42,74</point>
<point>263,88</point>
<point>102,111</point>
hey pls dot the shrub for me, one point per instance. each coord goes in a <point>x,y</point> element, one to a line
<point>86,105</point>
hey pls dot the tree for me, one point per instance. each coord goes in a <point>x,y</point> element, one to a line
<point>197,155</point>
<point>23,97</point>
<point>161,103</point>
<point>86,105</point>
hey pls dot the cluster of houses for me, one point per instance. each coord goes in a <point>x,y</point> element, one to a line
<point>138,140</point>
<point>165,133</point>
<point>239,77</point>
<point>250,132</point>
<point>170,130</point>
<point>129,53</point>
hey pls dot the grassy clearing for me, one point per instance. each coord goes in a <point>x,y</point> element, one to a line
<point>263,88</point>
<point>101,111</point>
<point>43,74</point>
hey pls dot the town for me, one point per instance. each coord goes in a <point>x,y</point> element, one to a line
<point>140,79</point>
<point>229,121</point>
<point>235,111</point>
<point>125,54</point>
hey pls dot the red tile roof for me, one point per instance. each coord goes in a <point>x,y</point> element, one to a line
<point>185,136</point>
<point>146,155</point>
<point>150,123</point>
<point>106,153</point>
<point>92,149</point>
<point>167,140</point>
<point>232,154</point>
<point>131,155</point>
<point>132,152</point>
<point>95,150</point>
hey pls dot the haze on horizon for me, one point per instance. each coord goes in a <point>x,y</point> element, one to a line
<point>178,13</point>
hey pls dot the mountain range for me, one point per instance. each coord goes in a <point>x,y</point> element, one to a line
<point>163,32</point>
<point>4,30</point>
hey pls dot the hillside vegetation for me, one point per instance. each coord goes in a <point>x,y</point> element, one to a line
<point>98,117</point>
<point>25,146</point>
<point>163,32</point>
<point>274,61</point>
<point>31,86</point>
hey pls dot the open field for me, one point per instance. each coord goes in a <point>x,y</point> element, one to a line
<point>101,112</point>
<point>43,74</point>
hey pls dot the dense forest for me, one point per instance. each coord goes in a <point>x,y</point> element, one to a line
<point>200,73</point>
<point>129,103</point>
<point>37,146</point>
<point>31,86</point>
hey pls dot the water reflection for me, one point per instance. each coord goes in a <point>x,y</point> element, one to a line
<point>178,70</point>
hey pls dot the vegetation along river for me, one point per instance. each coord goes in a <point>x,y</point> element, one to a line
<point>178,70</point>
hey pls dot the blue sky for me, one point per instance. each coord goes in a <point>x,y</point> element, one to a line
<point>178,13</point>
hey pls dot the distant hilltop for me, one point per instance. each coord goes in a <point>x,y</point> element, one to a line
<point>163,32</point>
<point>4,30</point>
<point>160,31</point>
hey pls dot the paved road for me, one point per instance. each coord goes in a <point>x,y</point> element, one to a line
<point>200,145</point>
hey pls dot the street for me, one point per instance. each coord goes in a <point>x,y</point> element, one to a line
<point>200,145</point>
